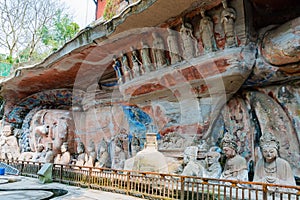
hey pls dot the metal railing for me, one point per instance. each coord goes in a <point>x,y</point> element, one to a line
<point>152,185</point>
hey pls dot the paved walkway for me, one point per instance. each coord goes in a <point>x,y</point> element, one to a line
<point>28,188</point>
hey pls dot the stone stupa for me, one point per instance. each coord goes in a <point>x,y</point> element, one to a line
<point>150,159</point>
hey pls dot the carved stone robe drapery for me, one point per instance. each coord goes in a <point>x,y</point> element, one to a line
<point>284,173</point>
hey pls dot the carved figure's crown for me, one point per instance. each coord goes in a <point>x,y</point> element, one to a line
<point>229,140</point>
<point>269,140</point>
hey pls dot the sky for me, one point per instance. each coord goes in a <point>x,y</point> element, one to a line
<point>82,10</point>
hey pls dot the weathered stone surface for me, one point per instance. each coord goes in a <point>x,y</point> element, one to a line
<point>281,45</point>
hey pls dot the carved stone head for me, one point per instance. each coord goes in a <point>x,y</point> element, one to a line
<point>80,147</point>
<point>7,131</point>
<point>190,154</point>
<point>64,147</point>
<point>270,146</point>
<point>40,147</point>
<point>229,141</point>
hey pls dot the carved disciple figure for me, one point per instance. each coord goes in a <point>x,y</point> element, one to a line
<point>209,168</point>
<point>173,47</point>
<point>90,157</point>
<point>271,168</point>
<point>125,68</point>
<point>189,46</point>
<point>158,51</point>
<point>49,157</point>
<point>193,167</point>
<point>81,154</point>
<point>102,154</point>
<point>137,67</point>
<point>207,33</point>
<point>228,16</point>
<point>213,168</point>
<point>236,166</point>
<point>65,156</point>
<point>135,146</point>
<point>145,54</point>
<point>119,155</point>
<point>117,68</point>
<point>39,155</point>
<point>9,144</point>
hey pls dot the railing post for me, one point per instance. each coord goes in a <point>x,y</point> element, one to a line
<point>265,192</point>
<point>182,188</point>
<point>128,183</point>
<point>89,178</point>
<point>60,173</point>
<point>22,167</point>
<point>40,166</point>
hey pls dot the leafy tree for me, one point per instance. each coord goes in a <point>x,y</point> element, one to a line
<point>62,30</point>
<point>110,9</point>
<point>21,24</point>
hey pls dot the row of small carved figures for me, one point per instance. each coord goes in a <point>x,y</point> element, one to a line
<point>189,47</point>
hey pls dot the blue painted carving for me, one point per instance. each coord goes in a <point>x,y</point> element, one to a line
<point>139,123</point>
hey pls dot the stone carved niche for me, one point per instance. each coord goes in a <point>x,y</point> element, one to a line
<point>52,126</point>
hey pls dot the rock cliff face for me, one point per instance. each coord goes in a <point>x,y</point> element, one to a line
<point>227,70</point>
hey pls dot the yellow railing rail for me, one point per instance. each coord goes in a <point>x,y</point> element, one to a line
<point>160,186</point>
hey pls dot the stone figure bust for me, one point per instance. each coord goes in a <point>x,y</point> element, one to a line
<point>271,168</point>
<point>173,47</point>
<point>81,154</point>
<point>102,154</point>
<point>65,156</point>
<point>158,51</point>
<point>228,17</point>
<point>235,166</point>
<point>207,33</point>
